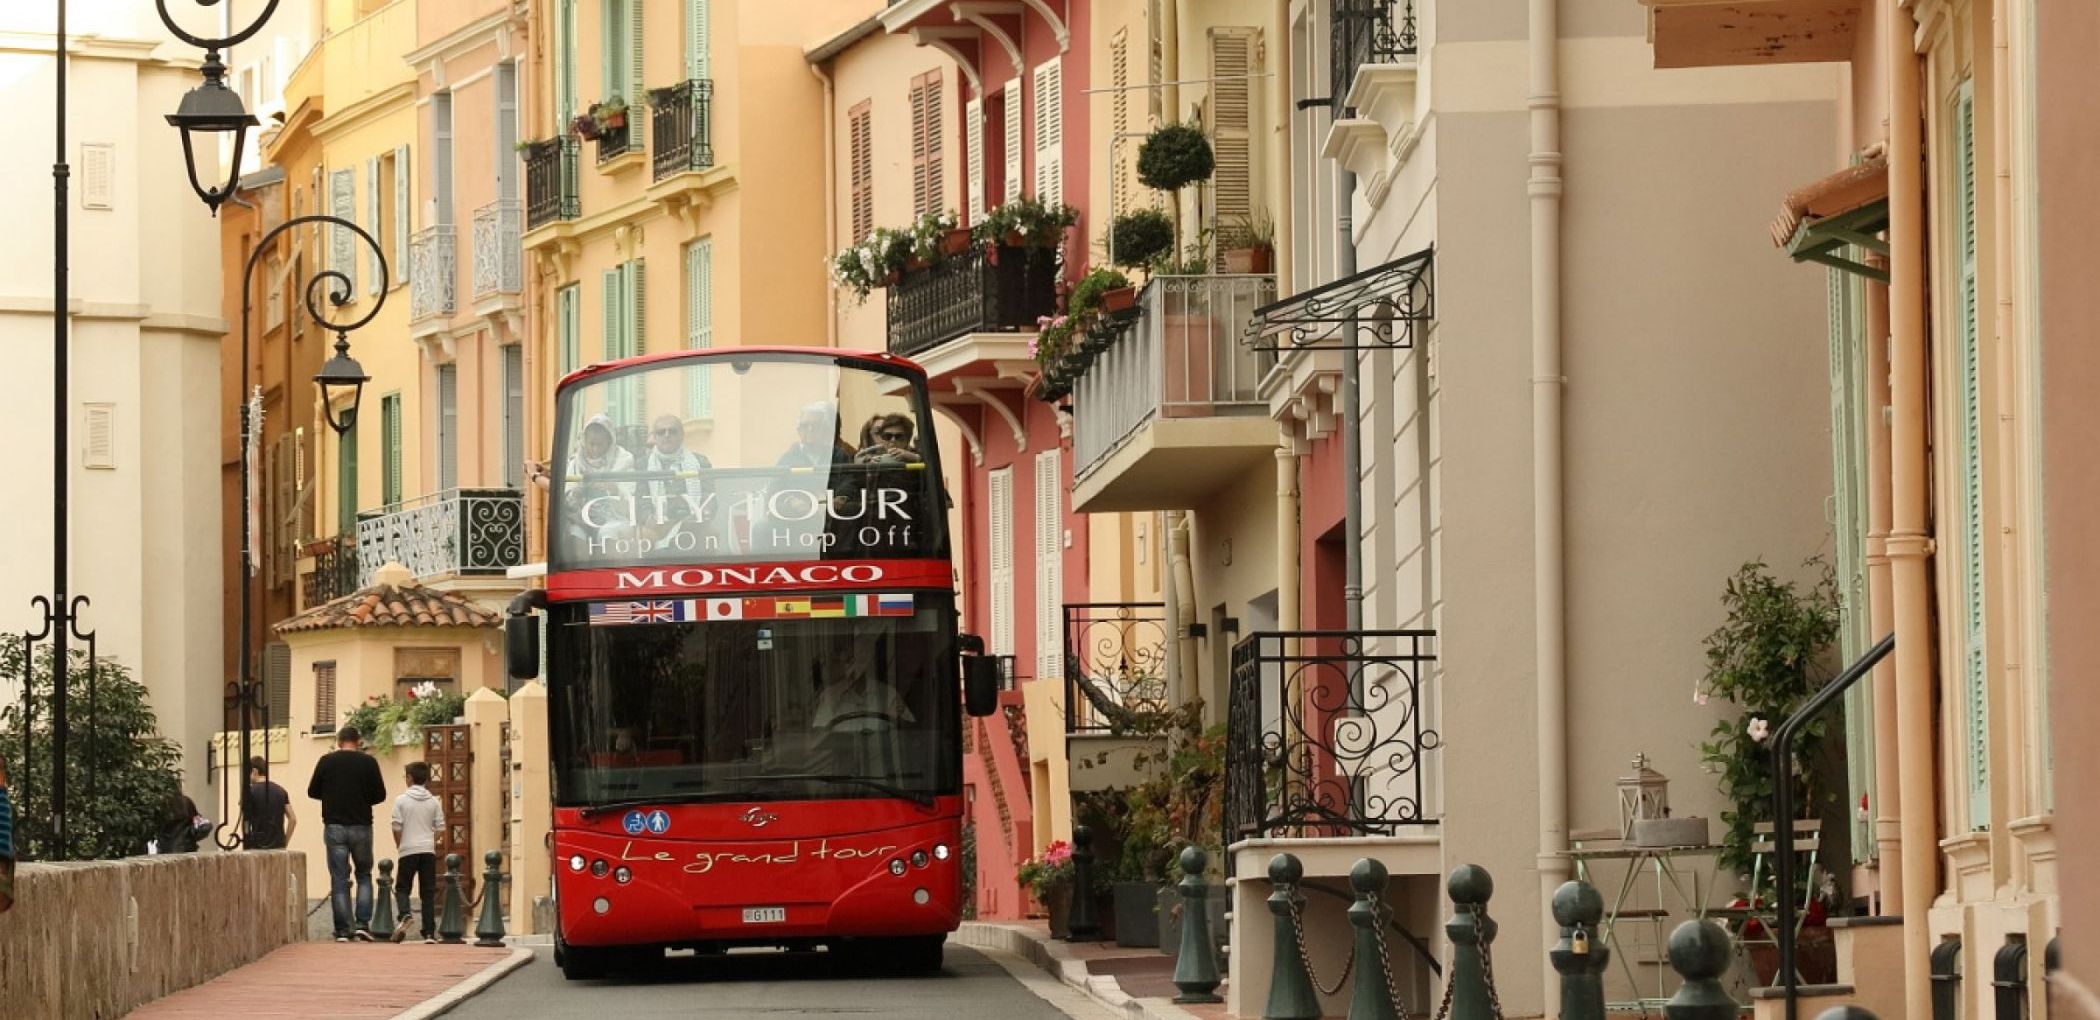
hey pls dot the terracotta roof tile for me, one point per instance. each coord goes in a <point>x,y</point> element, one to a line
<point>405,604</point>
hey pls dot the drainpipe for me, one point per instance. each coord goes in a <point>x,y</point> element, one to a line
<point>1910,543</point>
<point>1280,193</point>
<point>1352,410</point>
<point>831,205</point>
<point>1287,532</point>
<point>1881,606</point>
<point>1183,578</point>
<point>2010,613</point>
<point>1548,387</point>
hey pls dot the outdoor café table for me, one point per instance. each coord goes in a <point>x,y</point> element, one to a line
<point>1684,874</point>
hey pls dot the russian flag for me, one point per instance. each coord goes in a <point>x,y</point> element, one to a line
<point>893,605</point>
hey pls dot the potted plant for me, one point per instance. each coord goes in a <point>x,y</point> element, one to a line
<point>611,114</point>
<point>877,261</point>
<point>1139,238</point>
<point>1026,223</point>
<point>1048,877</point>
<point>1102,292</point>
<point>1248,245</point>
<point>1175,156</point>
<point>584,126</point>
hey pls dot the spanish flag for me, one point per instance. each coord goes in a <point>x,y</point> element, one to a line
<point>791,608</point>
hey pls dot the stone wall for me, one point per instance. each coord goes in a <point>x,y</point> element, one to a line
<point>98,938</point>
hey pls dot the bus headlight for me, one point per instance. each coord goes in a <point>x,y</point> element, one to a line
<point>918,858</point>
<point>602,905</point>
<point>921,897</point>
<point>940,851</point>
<point>598,868</point>
<point>576,862</point>
<point>897,866</point>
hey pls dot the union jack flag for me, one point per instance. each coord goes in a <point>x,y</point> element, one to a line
<point>654,611</point>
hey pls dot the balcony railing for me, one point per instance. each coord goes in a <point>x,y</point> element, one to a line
<point>1326,735</point>
<point>616,142</point>
<point>499,264</point>
<point>550,182</point>
<point>1368,32</point>
<point>335,570</point>
<point>1115,664</point>
<point>433,272</point>
<point>456,532</point>
<point>970,293</point>
<point>1181,358</point>
<point>679,127</point>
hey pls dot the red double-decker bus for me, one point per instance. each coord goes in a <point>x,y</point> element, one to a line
<point>752,664</point>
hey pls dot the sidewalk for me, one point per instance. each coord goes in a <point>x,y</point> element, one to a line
<point>1136,982</point>
<point>353,981</point>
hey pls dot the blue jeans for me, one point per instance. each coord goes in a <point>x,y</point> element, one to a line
<point>347,845</point>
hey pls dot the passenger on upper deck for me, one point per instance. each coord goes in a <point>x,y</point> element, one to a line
<point>886,439</point>
<point>597,454</point>
<point>817,442</point>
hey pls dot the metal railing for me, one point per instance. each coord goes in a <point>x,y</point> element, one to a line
<point>457,531</point>
<point>970,293</point>
<point>550,182</point>
<point>335,570</point>
<point>1368,32</point>
<point>614,142</point>
<point>1181,358</point>
<point>1326,733</point>
<point>1115,664</point>
<point>679,119</point>
<point>499,263</point>
<point>433,272</point>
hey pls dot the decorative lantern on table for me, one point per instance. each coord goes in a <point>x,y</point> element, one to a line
<point>1644,811</point>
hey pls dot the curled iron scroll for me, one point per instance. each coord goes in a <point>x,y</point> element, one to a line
<point>207,42</point>
<point>317,288</point>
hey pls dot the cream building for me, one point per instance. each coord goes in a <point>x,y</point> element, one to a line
<point>145,333</point>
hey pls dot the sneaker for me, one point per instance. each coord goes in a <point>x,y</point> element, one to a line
<point>342,938</point>
<point>400,930</point>
<point>430,940</point>
<point>362,935</point>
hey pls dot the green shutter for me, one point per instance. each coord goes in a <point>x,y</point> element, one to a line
<point>448,426</point>
<point>615,309</point>
<point>390,427</point>
<point>513,416</point>
<point>696,39</point>
<point>636,91</point>
<point>699,324</point>
<point>346,483</point>
<point>568,317</point>
<point>1968,385</point>
<point>615,47</point>
<point>565,100</point>
<point>636,340</point>
<point>1849,523</point>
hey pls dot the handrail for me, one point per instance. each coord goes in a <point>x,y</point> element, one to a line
<point>1783,808</point>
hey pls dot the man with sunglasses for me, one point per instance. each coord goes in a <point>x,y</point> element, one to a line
<point>678,471</point>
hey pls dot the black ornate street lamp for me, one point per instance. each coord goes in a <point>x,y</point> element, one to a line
<point>341,379</point>
<point>211,108</point>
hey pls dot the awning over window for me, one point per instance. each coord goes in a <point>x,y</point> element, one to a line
<point>1849,208</point>
<point>1384,304</point>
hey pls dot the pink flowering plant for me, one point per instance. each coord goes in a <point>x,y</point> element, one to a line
<point>1048,870</point>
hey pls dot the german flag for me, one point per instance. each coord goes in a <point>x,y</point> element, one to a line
<point>827,606</point>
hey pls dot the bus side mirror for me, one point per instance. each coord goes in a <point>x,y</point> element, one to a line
<point>521,646</point>
<point>980,684</point>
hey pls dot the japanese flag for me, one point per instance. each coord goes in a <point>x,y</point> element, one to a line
<point>725,609</point>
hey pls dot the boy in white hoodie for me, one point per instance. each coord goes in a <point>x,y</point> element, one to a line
<point>417,818</point>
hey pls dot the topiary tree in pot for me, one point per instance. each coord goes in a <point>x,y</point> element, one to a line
<point>1173,157</point>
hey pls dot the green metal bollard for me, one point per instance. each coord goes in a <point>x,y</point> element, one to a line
<point>489,931</point>
<point>452,922</point>
<point>1374,989</point>
<point>1580,956</point>
<point>1196,970</point>
<point>1472,934</point>
<point>1699,952</point>
<point>383,911</point>
<point>1290,987</point>
<point>1080,923</point>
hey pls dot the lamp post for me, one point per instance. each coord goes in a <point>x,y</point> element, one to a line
<point>212,109</point>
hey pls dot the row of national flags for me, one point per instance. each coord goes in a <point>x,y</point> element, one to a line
<point>775,607</point>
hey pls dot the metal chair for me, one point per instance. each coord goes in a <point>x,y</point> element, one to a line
<point>1808,844</point>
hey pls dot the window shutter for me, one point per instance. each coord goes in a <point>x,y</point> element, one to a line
<point>615,312</point>
<point>1049,562</point>
<point>635,92</point>
<point>324,697</point>
<point>277,682</point>
<point>699,324</point>
<point>612,48</point>
<point>507,132</point>
<point>1155,62</point>
<point>448,426</point>
<point>441,168</point>
<point>565,99</point>
<point>1975,663</point>
<point>513,416</point>
<point>404,215</point>
<point>1049,133</point>
<point>920,148</point>
<point>637,309</point>
<point>374,257</point>
<point>1016,98</point>
<point>859,142</point>
<point>973,154</point>
<point>1231,120</point>
<point>696,39</point>
<point>390,422</point>
<point>346,483</point>
<point>342,245</point>
<point>1001,534</point>
<point>1119,119</point>
<point>568,317</point>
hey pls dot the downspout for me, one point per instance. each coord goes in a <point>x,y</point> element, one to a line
<point>831,203</point>
<point>1183,578</point>
<point>2010,616</point>
<point>1910,545</point>
<point>1881,607</point>
<point>1352,409</point>
<point>1280,193</point>
<point>1548,386</point>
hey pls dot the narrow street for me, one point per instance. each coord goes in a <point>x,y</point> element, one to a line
<point>971,984</point>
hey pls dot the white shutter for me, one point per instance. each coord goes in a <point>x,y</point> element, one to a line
<point>342,245</point>
<point>1231,125</point>
<point>637,308</point>
<point>696,39</point>
<point>973,143</point>
<point>1001,532</point>
<point>507,131</point>
<point>699,324</point>
<point>615,308</point>
<point>441,169</point>
<point>1119,119</point>
<point>1049,133</point>
<point>403,215</point>
<point>448,426</point>
<point>1016,98</point>
<point>374,257</point>
<point>1049,560</point>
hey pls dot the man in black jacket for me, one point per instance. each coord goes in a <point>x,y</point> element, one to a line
<point>347,783</point>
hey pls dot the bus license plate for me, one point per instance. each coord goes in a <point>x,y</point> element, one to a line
<point>765,915</point>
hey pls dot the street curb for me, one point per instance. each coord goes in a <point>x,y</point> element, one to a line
<point>451,997</point>
<point>1057,960</point>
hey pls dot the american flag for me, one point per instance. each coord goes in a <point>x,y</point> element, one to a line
<point>653,611</point>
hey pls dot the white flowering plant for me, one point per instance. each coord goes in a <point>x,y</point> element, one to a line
<point>1026,222</point>
<point>874,262</point>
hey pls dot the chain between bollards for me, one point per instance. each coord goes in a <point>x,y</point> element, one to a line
<point>1291,983</point>
<point>383,922</point>
<point>1376,998</point>
<point>452,922</point>
<point>1080,923</point>
<point>1580,956</point>
<point>1469,990</point>
<point>489,931</point>
<point>1196,969</point>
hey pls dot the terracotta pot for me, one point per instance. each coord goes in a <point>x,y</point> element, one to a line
<point>1815,957</point>
<point>1058,905</point>
<point>1014,239</point>
<point>914,264</point>
<point>615,121</point>
<point>888,279</point>
<point>955,242</point>
<point>1264,260</point>
<point>1256,260</point>
<point>1121,299</point>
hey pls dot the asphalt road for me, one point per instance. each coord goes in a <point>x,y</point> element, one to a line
<point>972,984</point>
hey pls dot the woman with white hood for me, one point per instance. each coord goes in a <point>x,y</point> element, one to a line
<point>597,454</point>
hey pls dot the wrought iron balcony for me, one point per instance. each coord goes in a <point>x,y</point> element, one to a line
<point>499,263</point>
<point>1325,734</point>
<point>1180,358</point>
<point>970,293</point>
<point>614,142</point>
<point>550,182</point>
<point>1115,665</point>
<point>679,119</point>
<point>458,532</point>
<point>1368,32</point>
<point>335,570</point>
<point>433,272</point>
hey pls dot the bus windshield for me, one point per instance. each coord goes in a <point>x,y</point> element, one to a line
<point>773,697</point>
<point>766,457</point>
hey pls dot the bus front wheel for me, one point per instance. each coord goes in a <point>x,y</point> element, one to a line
<point>580,963</point>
